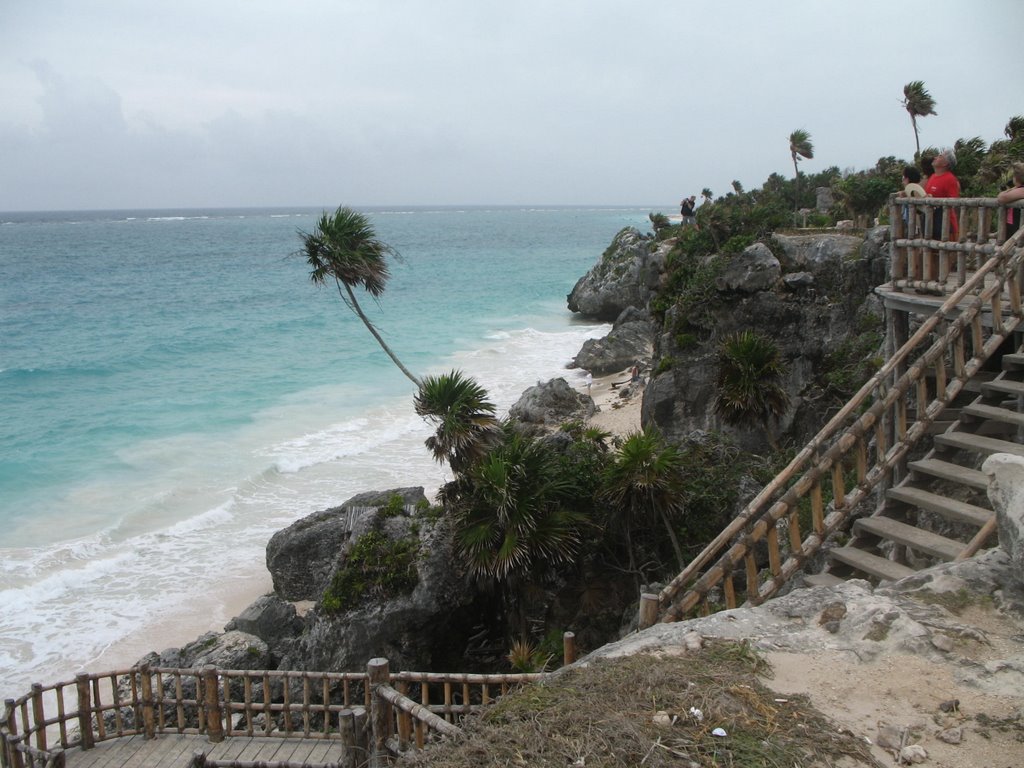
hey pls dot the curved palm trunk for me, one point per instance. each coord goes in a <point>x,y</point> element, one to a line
<point>377,336</point>
<point>796,184</point>
<point>917,140</point>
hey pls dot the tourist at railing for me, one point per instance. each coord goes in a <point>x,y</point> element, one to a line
<point>1012,195</point>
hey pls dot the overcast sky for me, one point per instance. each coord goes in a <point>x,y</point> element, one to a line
<point>193,103</point>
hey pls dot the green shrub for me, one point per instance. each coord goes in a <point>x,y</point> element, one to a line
<point>376,568</point>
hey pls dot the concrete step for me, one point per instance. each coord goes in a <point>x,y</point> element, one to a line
<point>1002,387</point>
<point>980,444</point>
<point>873,565</point>
<point>994,413</point>
<point>1013,361</point>
<point>926,542</point>
<point>955,511</point>
<point>822,580</point>
<point>945,470</point>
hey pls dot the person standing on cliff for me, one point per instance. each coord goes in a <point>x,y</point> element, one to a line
<point>942,183</point>
<point>687,209</point>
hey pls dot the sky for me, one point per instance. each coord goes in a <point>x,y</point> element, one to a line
<point>108,104</point>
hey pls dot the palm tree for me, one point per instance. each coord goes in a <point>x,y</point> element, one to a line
<point>799,147</point>
<point>645,481</point>
<point>1015,128</point>
<point>344,248</point>
<point>514,520</point>
<point>918,103</point>
<point>463,414</point>
<point>750,370</point>
<point>706,194</point>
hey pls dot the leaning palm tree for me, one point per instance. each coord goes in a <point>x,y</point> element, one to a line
<point>345,249</point>
<point>749,385</point>
<point>800,146</point>
<point>463,415</point>
<point>918,103</point>
<point>644,482</point>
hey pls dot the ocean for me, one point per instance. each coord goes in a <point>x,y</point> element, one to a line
<point>174,390</point>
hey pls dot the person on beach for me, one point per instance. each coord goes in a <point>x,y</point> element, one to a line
<point>688,210</point>
<point>590,381</point>
<point>634,373</point>
<point>1012,195</point>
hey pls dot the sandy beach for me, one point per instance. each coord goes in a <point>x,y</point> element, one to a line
<point>617,415</point>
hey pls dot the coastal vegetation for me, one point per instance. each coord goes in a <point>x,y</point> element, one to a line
<point>541,516</point>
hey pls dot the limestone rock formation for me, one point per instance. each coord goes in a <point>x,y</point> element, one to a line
<point>1006,492</point>
<point>809,294</point>
<point>302,557</point>
<point>626,276</point>
<point>551,403</point>
<point>630,340</point>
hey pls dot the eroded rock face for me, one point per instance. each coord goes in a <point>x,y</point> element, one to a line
<point>627,276</point>
<point>630,341</point>
<point>550,403</point>
<point>302,557</point>
<point>809,317</point>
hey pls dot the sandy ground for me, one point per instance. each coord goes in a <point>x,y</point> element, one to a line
<point>900,689</point>
<point>618,415</point>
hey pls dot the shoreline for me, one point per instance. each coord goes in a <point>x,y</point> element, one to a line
<point>616,415</point>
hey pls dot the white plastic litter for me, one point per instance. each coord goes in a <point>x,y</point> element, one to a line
<point>719,732</point>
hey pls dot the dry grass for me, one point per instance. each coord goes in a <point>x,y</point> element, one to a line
<point>608,715</point>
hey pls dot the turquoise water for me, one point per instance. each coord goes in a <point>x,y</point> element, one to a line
<point>173,390</point>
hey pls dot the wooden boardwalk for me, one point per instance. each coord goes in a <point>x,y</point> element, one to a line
<point>175,751</point>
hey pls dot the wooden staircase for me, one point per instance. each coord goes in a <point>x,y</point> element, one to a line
<point>940,508</point>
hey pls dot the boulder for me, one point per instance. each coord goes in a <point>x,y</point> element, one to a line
<point>1006,492</point>
<point>756,269</point>
<point>626,276</point>
<point>552,403</point>
<point>630,340</point>
<point>302,557</point>
<point>273,620</point>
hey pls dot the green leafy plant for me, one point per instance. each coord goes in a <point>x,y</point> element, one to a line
<point>749,383</point>
<point>375,568</point>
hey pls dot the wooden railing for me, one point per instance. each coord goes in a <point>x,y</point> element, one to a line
<point>370,714</point>
<point>871,435</point>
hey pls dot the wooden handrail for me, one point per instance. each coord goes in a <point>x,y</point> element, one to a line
<point>822,459</point>
<point>222,703</point>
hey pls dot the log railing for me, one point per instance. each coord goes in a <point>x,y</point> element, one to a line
<point>870,436</point>
<point>922,261</point>
<point>370,714</point>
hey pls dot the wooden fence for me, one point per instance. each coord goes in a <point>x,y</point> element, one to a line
<point>371,715</point>
<point>872,434</point>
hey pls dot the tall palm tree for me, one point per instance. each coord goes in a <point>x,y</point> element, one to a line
<point>800,146</point>
<point>749,385</point>
<point>918,103</point>
<point>645,482</point>
<point>463,415</point>
<point>345,249</point>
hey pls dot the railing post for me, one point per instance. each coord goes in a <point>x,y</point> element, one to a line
<point>568,648</point>
<point>148,718</point>
<point>648,611</point>
<point>38,716</point>
<point>84,710</point>
<point>211,698</point>
<point>378,674</point>
<point>11,756</point>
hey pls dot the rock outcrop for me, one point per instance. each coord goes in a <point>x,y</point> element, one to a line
<point>630,340</point>
<point>626,276</point>
<point>810,294</point>
<point>302,557</point>
<point>550,403</point>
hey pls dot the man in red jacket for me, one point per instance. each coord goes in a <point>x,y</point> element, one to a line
<point>942,183</point>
